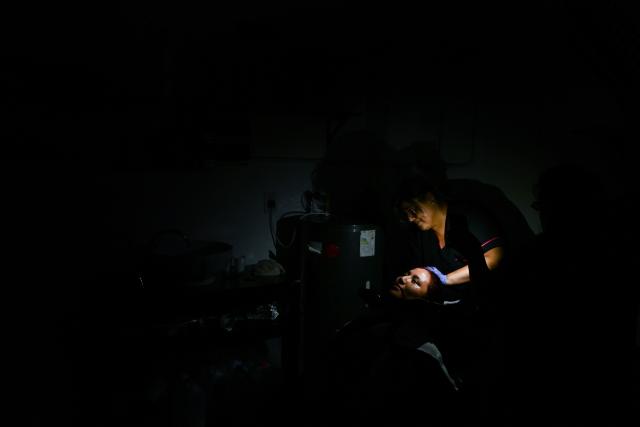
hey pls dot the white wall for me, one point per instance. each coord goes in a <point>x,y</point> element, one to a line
<point>223,204</point>
<point>503,102</point>
<point>506,145</point>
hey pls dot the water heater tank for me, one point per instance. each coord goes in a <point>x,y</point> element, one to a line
<point>338,260</point>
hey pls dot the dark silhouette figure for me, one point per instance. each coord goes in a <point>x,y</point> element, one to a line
<point>563,308</point>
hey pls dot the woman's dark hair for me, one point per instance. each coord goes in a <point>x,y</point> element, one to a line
<point>416,185</point>
<point>420,170</point>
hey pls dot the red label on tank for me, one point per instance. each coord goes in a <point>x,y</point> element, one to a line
<point>331,250</point>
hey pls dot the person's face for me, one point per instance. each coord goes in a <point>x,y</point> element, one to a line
<point>415,276</point>
<point>413,284</point>
<point>420,213</point>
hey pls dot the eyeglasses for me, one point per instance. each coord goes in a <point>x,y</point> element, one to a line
<point>407,212</point>
<point>410,213</point>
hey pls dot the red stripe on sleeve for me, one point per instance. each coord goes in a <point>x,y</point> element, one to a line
<point>489,241</point>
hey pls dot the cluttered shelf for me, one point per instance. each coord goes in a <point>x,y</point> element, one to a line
<point>245,292</point>
<point>214,343</point>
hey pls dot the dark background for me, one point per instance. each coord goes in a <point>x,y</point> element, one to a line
<point>128,118</point>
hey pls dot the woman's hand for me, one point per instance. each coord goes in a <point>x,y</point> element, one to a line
<point>416,284</point>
